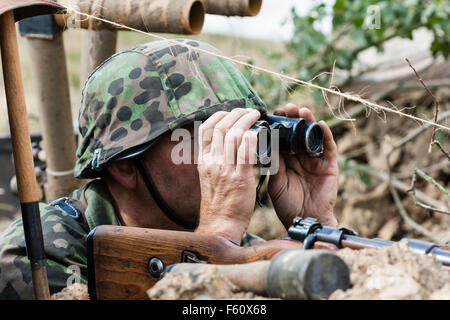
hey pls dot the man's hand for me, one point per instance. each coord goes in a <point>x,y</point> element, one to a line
<point>226,158</point>
<point>305,186</point>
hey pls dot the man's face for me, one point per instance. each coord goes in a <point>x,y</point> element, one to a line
<point>178,184</point>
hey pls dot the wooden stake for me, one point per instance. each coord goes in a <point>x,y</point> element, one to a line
<point>234,7</point>
<point>168,16</point>
<point>96,47</point>
<point>23,159</point>
<point>50,80</point>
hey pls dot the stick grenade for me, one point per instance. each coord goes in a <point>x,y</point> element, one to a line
<point>291,274</point>
<point>23,158</point>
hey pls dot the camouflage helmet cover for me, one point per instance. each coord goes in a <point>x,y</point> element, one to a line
<point>140,93</point>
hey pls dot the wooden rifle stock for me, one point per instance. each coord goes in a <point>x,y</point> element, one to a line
<point>124,262</point>
<point>119,257</point>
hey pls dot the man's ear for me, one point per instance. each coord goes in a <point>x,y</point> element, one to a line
<point>124,172</point>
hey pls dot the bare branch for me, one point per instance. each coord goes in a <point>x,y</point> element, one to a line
<point>423,175</point>
<point>436,103</point>
<point>429,179</point>
<point>435,142</point>
<point>398,203</point>
<point>408,220</point>
<point>414,133</point>
<point>397,184</point>
<point>428,170</point>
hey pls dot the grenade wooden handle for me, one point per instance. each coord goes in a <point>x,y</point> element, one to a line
<point>291,274</point>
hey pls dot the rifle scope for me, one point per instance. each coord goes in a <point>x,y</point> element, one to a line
<point>295,135</point>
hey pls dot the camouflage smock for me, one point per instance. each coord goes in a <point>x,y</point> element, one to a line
<point>64,240</point>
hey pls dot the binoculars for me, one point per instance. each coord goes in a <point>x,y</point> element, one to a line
<point>295,135</point>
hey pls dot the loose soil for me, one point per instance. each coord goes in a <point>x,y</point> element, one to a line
<point>208,284</point>
<point>393,273</point>
<point>76,291</point>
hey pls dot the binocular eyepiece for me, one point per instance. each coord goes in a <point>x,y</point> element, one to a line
<point>295,135</point>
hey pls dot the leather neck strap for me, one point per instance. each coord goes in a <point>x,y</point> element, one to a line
<point>165,208</point>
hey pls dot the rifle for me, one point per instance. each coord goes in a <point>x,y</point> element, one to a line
<point>124,262</point>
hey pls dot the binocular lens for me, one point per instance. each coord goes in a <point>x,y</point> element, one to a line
<point>314,138</point>
<point>294,135</point>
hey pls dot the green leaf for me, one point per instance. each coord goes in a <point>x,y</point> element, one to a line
<point>365,178</point>
<point>426,14</point>
<point>359,37</point>
<point>439,136</point>
<point>358,21</point>
<point>313,52</point>
<point>317,95</point>
<point>348,170</point>
<point>339,5</point>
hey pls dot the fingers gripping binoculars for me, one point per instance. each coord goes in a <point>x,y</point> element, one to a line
<point>295,135</point>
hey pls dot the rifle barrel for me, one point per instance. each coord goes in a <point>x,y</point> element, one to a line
<point>309,230</point>
<point>415,246</point>
<point>356,242</point>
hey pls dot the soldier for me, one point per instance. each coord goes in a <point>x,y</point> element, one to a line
<point>130,106</point>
